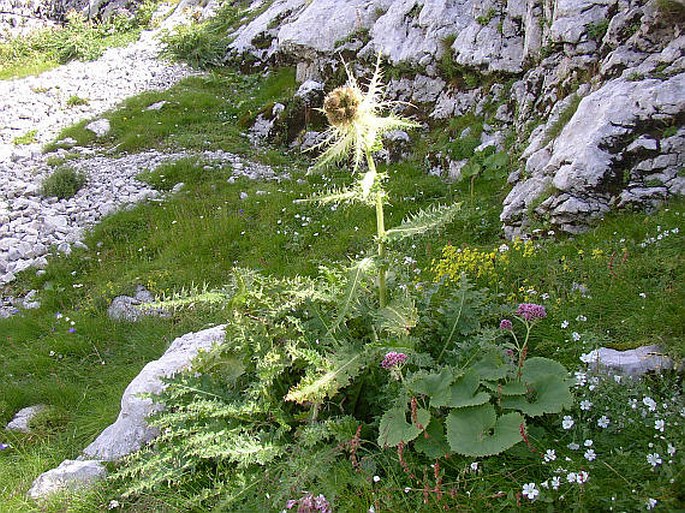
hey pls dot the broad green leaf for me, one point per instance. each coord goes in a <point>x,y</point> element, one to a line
<point>538,367</point>
<point>547,388</point>
<point>512,388</point>
<point>423,221</point>
<point>394,427</point>
<point>471,169</point>
<point>447,389</point>
<point>433,384</point>
<point>477,432</point>
<point>433,444</point>
<point>462,393</point>
<point>491,367</point>
<point>496,161</point>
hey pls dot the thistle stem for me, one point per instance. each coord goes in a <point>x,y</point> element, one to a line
<point>380,234</point>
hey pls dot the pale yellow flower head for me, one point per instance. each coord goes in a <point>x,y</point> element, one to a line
<point>356,121</point>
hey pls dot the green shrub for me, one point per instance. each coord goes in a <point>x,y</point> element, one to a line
<point>63,183</point>
<point>203,45</point>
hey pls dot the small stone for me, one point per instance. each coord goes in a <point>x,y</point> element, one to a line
<point>70,475</point>
<point>157,105</point>
<point>100,127</point>
<point>23,418</point>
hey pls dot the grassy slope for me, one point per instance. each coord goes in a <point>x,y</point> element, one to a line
<point>197,235</point>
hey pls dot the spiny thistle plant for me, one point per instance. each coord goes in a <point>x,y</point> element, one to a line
<point>356,131</point>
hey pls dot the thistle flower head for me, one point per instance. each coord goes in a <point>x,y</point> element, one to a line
<point>356,123</point>
<point>341,105</point>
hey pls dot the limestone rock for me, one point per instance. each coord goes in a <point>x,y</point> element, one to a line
<point>586,158</point>
<point>130,309</point>
<point>130,431</point>
<point>23,418</point>
<point>634,362</point>
<point>70,475</point>
<point>99,127</point>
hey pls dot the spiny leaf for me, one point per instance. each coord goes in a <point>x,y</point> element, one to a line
<point>395,429</point>
<point>477,432</point>
<point>423,221</point>
<point>332,196</point>
<point>338,371</point>
<point>397,318</point>
<point>352,289</point>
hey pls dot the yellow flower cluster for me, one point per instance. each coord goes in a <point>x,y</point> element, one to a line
<point>471,261</point>
<point>487,265</point>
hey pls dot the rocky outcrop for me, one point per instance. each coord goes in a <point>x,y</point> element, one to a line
<point>616,140</point>
<point>591,93</point>
<point>489,35</point>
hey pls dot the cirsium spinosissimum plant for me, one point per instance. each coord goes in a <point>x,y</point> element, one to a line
<point>356,131</point>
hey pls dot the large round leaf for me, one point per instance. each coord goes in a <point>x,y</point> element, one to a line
<point>395,429</point>
<point>433,444</point>
<point>449,390</point>
<point>547,389</point>
<point>477,432</point>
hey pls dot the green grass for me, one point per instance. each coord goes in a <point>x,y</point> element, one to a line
<point>48,48</point>
<point>206,112</point>
<point>63,182</point>
<point>199,234</point>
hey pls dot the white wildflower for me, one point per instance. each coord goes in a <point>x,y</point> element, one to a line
<point>530,491</point>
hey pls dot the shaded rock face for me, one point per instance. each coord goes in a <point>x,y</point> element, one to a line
<point>593,88</point>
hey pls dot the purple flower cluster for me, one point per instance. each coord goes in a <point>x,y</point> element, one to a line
<point>310,504</point>
<point>531,311</point>
<point>393,359</point>
<point>505,324</point>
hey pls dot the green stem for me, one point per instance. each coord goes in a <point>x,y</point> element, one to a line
<point>380,234</point>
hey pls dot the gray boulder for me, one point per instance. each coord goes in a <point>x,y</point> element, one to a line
<point>634,362</point>
<point>23,418</point>
<point>71,475</point>
<point>130,308</point>
<point>131,431</point>
<point>99,127</point>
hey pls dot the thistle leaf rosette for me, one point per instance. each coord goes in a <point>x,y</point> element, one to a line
<point>356,126</point>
